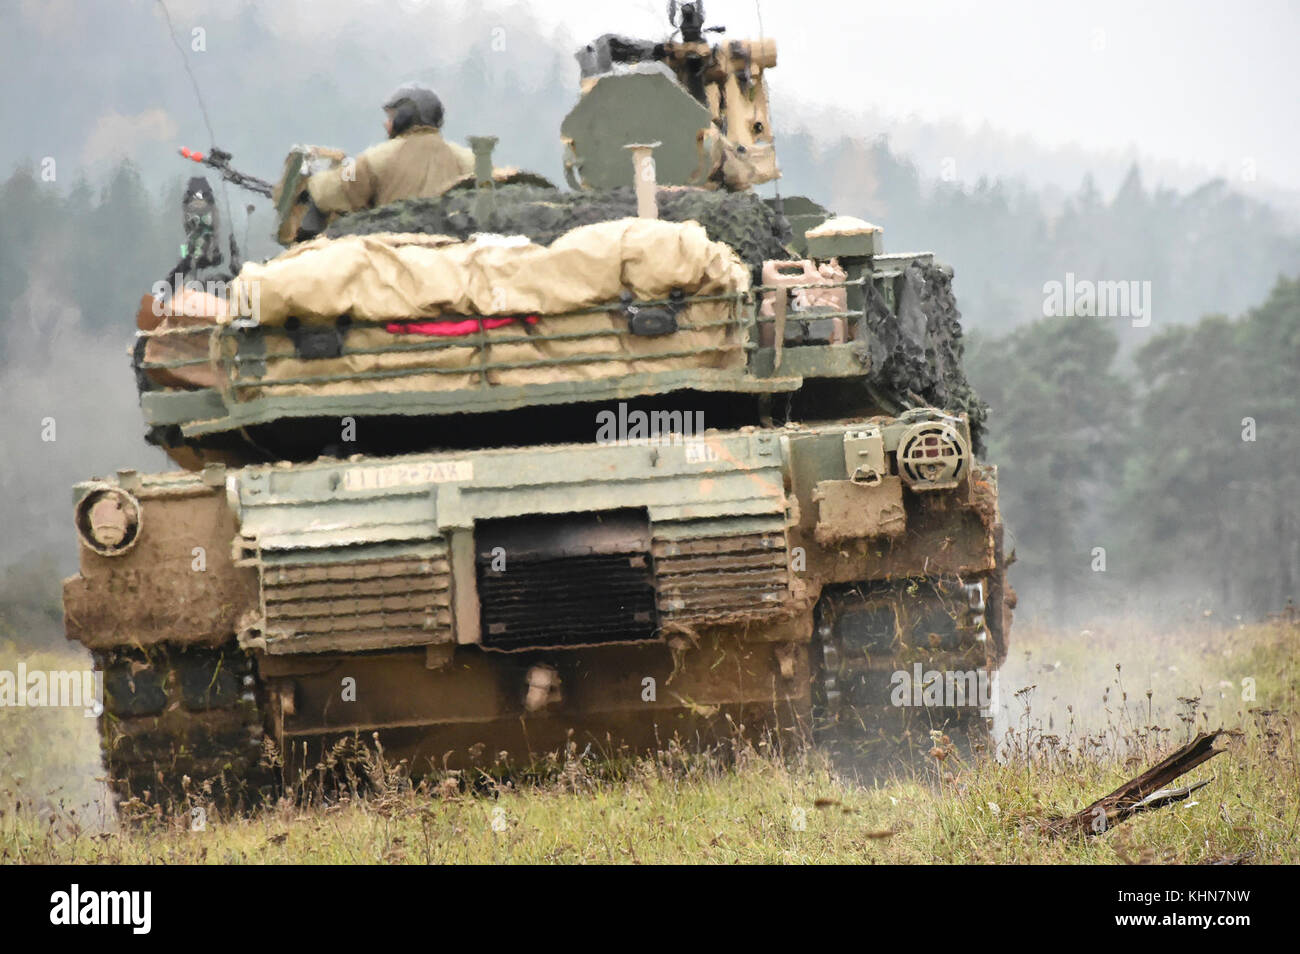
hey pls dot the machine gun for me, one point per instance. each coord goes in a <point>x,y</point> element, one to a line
<point>689,18</point>
<point>219,159</point>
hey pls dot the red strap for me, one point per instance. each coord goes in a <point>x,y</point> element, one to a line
<point>452,329</point>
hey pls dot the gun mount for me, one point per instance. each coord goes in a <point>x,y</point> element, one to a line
<point>706,104</point>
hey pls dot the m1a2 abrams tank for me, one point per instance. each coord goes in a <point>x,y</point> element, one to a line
<point>517,467</point>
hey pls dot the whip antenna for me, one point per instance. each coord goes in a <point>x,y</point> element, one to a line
<point>771,113</point>
<point>212,136</point>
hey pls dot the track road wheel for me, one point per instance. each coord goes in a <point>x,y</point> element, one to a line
<point>182,726</point>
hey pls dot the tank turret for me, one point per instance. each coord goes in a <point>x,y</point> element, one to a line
<point>514,305</point>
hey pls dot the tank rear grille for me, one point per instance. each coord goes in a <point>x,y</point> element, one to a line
<point>569,601</point>
<point>715,576</point>
<point>566,580</point>
<point>363,604</point>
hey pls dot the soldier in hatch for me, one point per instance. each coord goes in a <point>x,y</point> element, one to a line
<point>415,162</point>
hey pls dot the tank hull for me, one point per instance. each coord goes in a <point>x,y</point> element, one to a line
<point>475,608</point>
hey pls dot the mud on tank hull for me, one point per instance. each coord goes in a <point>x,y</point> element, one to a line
<point>465,604</point>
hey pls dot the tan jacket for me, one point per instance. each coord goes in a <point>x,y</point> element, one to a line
<point>417,163</point>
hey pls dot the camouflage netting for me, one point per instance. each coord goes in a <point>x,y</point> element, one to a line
<point>916,356</point>
<point>740,219</point>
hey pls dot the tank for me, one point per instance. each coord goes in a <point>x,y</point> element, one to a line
<point>484,475</point>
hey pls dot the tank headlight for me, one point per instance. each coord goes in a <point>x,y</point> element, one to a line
<point>932,455</point>
<point>108,520</point>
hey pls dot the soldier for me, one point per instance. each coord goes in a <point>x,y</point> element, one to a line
<point>415,161</point>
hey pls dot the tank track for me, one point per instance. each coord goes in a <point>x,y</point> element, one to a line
<point>854,721</point>
<point>183,725</point>
<point>877,739</point>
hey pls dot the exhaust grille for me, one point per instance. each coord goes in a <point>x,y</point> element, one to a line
<point>567,581</point>
<point>360,604</point>
<point>706,569</point>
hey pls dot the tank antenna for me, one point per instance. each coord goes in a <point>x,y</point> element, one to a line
<point>776,183</point>
<point>212,137</point>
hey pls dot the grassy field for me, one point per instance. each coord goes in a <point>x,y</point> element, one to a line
<point>1104,704</point>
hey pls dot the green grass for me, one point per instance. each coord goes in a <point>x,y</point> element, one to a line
<point>1064,752</point>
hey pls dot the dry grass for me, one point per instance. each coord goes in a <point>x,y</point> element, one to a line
<point>49,758</point>
<point>1062,750</point>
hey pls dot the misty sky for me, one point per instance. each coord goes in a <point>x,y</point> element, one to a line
<point>1209,84</point>
<point>1195,86</point>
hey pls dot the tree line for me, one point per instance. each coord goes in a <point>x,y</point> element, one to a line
<point>1168,483</point>
<point>1208,250</point>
